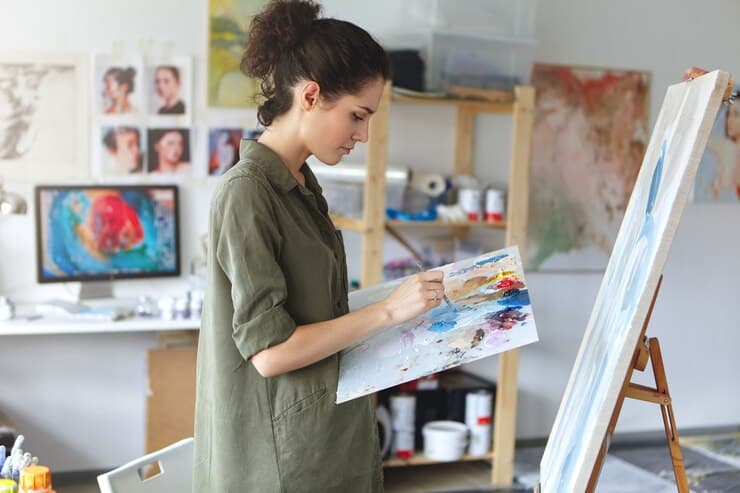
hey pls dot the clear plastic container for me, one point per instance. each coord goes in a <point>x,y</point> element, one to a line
<point>493,18</point>
<point>474,61</point>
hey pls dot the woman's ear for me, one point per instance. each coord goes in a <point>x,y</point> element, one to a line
<point>308,95</point>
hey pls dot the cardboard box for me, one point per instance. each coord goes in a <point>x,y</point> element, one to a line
<point>171,400</point>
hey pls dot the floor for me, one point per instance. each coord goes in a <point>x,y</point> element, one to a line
<point>712,465</point>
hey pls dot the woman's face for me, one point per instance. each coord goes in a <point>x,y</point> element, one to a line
<point>170,147</point>
<point>331,130</point>
<point>127,151</point>
<point>113,89</point>
<point>167,86</point>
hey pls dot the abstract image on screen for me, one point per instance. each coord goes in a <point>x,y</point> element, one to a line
<point>107,232</point>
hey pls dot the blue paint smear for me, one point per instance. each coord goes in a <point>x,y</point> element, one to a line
<point>445,323</point>
<point>518,297</point>
<point>481,263</point>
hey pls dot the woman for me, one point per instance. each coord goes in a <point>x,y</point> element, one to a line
<point>167,85</point>
<point>124,147</point>
<point>118,85</point>
<point>168,151</point>
<point>276,310</point>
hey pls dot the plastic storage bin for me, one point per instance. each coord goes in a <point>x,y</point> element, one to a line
<point>475,61</point>
<point>499,18</point>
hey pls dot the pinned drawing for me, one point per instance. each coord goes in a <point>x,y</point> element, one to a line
<point>650,221</point>
<point>43,117</point>
<point>491,314</point>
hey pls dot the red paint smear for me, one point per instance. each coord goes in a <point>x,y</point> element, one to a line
<point>505,283</point>
<point>115,224</point>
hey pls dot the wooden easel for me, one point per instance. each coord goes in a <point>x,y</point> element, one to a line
<point>647,349</point>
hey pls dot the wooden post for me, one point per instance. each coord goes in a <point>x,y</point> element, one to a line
<point>464,132</point>
<point>504,429</point>
<point>374,196</point>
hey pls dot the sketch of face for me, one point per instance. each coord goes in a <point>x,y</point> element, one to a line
<point>168,87</point>
<point>128,153</point>
<point>170,148</point>
<point>19,86</point>
<point>733,122</point>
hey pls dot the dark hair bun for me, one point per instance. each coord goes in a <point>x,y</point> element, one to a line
<point>282,26</point>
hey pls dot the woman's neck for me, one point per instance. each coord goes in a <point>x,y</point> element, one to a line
<point>283,139</point>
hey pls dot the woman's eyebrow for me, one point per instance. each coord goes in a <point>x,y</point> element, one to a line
<point>369,111</point>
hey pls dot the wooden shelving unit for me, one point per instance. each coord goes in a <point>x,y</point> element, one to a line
<point>373,224</point>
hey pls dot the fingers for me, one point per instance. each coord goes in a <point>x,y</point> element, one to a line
<point>432,276</point>
<point>434,294</point>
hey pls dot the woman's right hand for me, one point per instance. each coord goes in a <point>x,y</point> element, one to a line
<point>414,296</point>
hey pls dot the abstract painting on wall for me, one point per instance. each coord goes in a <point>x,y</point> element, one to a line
<point>635,266</point>
<point>43,117</point>
<point>718,178</point>
<point>228,22</point>
<point>589,136</point>
<point>491,313</point>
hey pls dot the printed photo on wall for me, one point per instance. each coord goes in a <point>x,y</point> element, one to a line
<point>718,178</point>
<point>223,149</point>
<point>43,117</point>
<point>118,88</point>
<point>123,150</point>
<point>168,150</point>
<point>168,87</point>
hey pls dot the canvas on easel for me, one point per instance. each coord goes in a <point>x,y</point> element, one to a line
<point>622,304</point>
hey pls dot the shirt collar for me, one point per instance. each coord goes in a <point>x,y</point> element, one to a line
<point>275,170</point>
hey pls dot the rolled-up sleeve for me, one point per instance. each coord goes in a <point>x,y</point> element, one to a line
<point>247,250</point>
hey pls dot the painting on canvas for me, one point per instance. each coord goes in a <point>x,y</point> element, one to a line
<point>491,314</point>
<point>589,136</point>
<point>718,178</point>
<point>227,31</point>
<point>660,193</point>
<point>43,117</point>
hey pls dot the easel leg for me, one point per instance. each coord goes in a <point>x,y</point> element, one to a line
<point>669,422</point>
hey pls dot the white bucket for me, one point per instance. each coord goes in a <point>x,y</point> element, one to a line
<point>445,440</point>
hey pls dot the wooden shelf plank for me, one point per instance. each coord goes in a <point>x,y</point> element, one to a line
<point>471,105</point>
<point>350,223</point>
<point>448,224</point>
<point>419,459</point>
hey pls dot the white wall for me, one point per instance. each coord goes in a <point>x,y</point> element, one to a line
<point>81,399</point>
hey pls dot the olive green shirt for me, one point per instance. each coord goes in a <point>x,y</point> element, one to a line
<point>274,261</point>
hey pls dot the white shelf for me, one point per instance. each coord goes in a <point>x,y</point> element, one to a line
<point>46,326</point>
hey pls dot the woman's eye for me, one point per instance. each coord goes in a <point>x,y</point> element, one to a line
<point>357,117</point>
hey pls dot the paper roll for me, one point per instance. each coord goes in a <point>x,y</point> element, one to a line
<point>431,184</point>
<point>354,173</point>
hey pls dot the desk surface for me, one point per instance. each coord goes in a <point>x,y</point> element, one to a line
<point>71,326</point>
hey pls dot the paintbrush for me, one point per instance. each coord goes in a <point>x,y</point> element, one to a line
<point>444,295</point>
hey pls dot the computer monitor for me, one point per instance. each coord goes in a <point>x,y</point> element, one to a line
<point>105,232</point>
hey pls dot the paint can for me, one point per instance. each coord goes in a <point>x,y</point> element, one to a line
<point>494,205</point>
<point>445,440</point>
<point>469,200</point>
<point>478,408</point>
<point>403,417</point>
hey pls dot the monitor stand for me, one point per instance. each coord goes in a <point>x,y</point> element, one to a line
<point>95,290</point>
